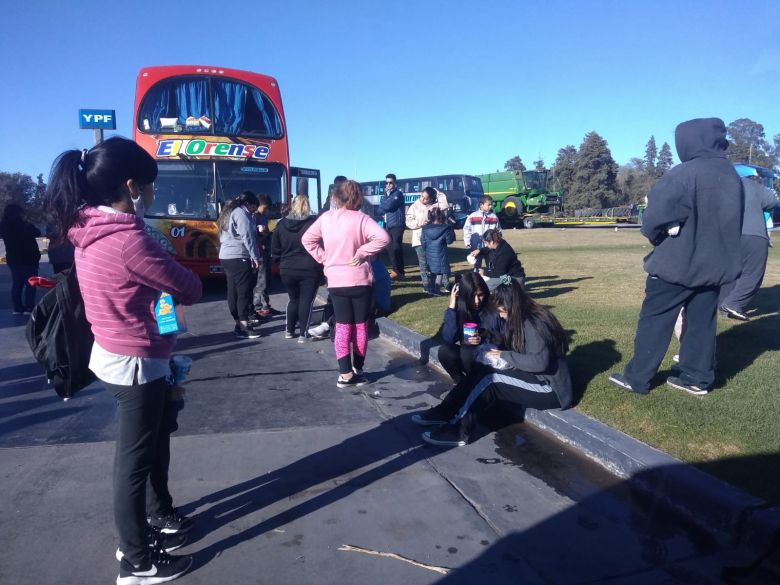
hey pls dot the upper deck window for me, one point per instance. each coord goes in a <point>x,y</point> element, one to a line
<point>207,105</point>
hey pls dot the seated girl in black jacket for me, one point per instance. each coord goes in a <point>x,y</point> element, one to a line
<point>499,258</point>
<point>467,299</point>
<point>528,368</point>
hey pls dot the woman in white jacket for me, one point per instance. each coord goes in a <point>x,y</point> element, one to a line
<point>417,217</point>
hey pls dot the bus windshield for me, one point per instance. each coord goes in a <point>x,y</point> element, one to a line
<point>233,178</point>
<point>184,190</point>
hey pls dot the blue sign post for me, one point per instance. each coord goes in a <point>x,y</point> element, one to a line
<point>97,120</point>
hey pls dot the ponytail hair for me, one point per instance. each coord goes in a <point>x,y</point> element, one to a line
<point>94,177</point>
<point>244,198</point>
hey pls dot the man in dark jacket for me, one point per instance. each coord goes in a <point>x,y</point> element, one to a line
<point>391,205</point>
<point>754,246</point>
<point>694,219</point>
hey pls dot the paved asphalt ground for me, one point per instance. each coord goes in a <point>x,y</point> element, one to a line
<point>293,481</point>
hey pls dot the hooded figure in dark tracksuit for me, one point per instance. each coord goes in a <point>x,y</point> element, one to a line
<point>694,220</point>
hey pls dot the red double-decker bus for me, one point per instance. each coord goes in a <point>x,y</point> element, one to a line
<point>214,132</point>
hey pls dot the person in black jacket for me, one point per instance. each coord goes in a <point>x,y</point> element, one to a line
<point>391,205</point>
<point>694,220</point>
<point>436,236</point>
<point>499,258</point>
<point>22,256</point>
<point>301,274</point>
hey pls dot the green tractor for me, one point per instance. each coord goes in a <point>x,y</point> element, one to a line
<point>516,194</point>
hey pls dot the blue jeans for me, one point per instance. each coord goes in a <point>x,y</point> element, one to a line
<point>22,294</point>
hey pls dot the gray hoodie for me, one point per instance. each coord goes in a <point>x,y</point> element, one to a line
<point>704,196</point>
<point>239,240</point>
<point>758,199</point>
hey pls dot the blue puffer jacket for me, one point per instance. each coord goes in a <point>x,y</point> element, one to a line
<point>435,238</point>
<point>391,205</point>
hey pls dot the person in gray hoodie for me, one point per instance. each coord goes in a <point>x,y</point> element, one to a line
<point>693,219</point>
<point>239,255</point>
<point>754,246</point>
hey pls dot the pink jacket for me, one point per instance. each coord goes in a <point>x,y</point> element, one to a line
<point>338,236</point>
<point>121,271</point>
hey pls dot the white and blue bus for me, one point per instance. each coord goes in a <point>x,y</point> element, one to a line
<point>462,191</point>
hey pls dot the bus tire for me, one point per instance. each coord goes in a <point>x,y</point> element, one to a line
<point>512,209</point>
<point>529,223</point>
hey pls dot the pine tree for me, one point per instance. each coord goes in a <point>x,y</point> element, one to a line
<point>539,164</point>
<point>514,164</point>
<point>651,155</point>
<point>595,175</point>
<point>563,170</point>
<point>665,160</point>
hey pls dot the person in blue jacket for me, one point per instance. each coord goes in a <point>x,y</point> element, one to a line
<point>468,298</point>
<point>436,235</point>
<point>392,207</point>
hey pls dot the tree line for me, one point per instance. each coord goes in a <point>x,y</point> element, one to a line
<point>21,189</point>
<point>588,176</point>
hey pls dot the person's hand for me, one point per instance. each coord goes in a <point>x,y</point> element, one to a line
<point>475,340</point>
<point>255,264</point>
<point>493,354</point>
<point>454,295</point>
<point>261,228</point>
<point>355,261</point>
<point>474,253</point>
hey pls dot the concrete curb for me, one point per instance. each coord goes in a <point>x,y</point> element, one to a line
<point>727,513</point>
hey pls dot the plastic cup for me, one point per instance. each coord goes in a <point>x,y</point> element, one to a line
<point>469,330</point>
<point>180,367</point>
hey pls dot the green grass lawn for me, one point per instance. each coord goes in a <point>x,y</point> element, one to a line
<point>593,281</point>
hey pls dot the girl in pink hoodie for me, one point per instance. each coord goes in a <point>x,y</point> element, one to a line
<point>93,195</point>
<point>343,240</point>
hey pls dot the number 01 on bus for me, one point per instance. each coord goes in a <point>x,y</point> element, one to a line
<point>214,133</point>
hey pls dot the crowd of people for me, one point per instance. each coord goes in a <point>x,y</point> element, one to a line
<point>501,348</point>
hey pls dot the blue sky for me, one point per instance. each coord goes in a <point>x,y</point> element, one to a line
<point>414,88</point>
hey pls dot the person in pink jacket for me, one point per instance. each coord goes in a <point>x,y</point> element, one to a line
<point>94,196</point>
<point>343,241</point>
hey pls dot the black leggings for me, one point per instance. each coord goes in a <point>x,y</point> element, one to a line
<point>240,281</point>
<point>457,359</point>
<point>301,290</point>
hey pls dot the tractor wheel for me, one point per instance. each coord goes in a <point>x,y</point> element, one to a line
<point>512,209</point>
<point>529,223</point>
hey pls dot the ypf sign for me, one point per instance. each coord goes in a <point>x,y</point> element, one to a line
<point>97,120</point>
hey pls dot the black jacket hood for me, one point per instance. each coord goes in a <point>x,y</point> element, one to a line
<point>702,137</point>
<point>298,224</point>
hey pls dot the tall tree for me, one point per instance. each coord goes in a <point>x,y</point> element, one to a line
<point>16,188</point>
<point>563,170</point>
<point>514,164</point>
<point>595,175</point>
<point>665,160</point>
<point>539,164</point>
<point>748,144</point>
<point>651,155</point>
<point>633,181</point>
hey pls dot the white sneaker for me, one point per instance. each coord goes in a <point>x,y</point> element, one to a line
<point>320,331</point>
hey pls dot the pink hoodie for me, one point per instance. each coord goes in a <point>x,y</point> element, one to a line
<point>338,236</point>
<point>121,271</point>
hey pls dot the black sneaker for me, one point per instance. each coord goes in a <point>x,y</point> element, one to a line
<point>272,311</point>
<point>434,416</point>
<point>160,568</point>
<point>446,436</point>
<point>676,382</point>
<point>158,541</point>
<point>355,380</point>
<point>170,523</point>
<point>255,320</point>
<point>734,314</point>
<point>241,333</point>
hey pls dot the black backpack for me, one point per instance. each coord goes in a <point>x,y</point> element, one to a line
<point>60,336</point>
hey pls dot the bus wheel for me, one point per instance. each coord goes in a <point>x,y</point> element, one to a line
<point>512,209</point>
<point>529,223</point>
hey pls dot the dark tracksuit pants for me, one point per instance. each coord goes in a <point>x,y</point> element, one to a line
<point>660,308</point>
<point>22,294</point>
<point>240,280</point>
<point>141,408</point>
<point>484,388</point>
<point>396,249</point>
<point>737,295</point>
<point>457,359</point>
